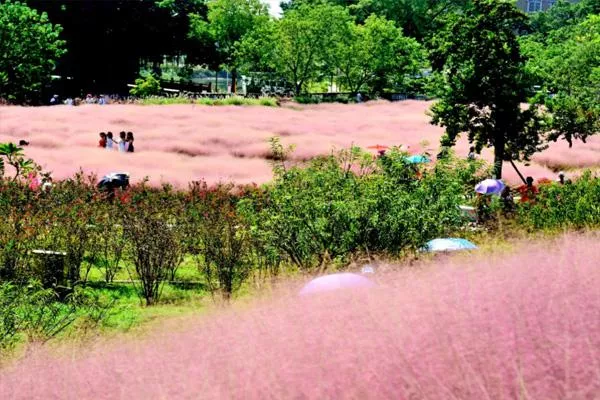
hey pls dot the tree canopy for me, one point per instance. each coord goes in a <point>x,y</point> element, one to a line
<point>30,47</point>
<point>375,54</point>
<point>108,40</point>
<point>227,22</point>
<point>483,82</point>
<point>566,64</point>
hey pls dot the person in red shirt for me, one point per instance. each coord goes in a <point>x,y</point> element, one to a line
<point>102,142</point>
<point>528,192</point>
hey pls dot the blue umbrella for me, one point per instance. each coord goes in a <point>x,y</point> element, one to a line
<point>490,186</point>
<point>418,159</point>
<point>334,282</point>
<point>449,244</point>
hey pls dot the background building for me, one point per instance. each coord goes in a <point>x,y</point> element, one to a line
<point>537,5</point>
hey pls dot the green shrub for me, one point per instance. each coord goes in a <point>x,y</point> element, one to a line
<point>235,101</point>
<point>307,99</point>
<point>33,313</point>
<point>222,244</point>
<point>348,202</point>
<point>153,228</point>
<point>207,101</point>
<point>144,87</point>
<point>574,205</point>
<point>267,101</point>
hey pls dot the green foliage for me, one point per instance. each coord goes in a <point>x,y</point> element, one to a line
<point>220,238</point>
<point>296,45</point>
<point>566,64</point>
<point>483,83</point>
<point>418,18</point>
<point>207,101</point>
<point>226,25</point>
<point>30,48</point>
<point>152,226</point>
<point>33,313</point>
<point>348,202</point>
<point>139,32</point>
<point>574,205</point>
<point>144,87</point>
<point>375,54</point>
<point>562,14</point>
<point>15,158</point>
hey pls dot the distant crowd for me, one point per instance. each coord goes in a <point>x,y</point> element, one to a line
<point>101,99</point>
<point>124,143</point>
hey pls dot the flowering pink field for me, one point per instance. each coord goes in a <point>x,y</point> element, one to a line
<point>181,143</point>
<point>482,326</point>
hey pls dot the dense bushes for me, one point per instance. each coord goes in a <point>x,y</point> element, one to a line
<point>574,205</point>
<point>341,204</point>
<point>35,313</point>
<point>209,101</point>
<point>146,86</point>
<point>309,217</point>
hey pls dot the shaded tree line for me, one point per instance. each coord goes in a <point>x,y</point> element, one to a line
<point>107,41</point>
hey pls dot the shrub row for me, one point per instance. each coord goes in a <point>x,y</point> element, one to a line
<point>208,101</point>
<point>309,217</point>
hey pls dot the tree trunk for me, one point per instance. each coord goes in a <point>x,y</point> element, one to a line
<point>216,81</point>
<point>498,157</point>
<point>233,81</point>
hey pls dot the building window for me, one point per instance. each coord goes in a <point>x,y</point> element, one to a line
<point>534,5</point>
<point>551,3</point>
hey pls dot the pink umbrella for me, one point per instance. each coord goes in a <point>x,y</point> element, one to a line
<point>331,282</point>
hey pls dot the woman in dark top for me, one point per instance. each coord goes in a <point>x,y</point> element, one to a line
<point>129,141</point>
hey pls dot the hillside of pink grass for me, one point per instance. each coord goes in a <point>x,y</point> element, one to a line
<point>482,326</point>
<point>181,143</point>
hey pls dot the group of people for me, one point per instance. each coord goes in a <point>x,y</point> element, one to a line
<point>101,99</point>
<point>527,192</point>
<point>124,143</point>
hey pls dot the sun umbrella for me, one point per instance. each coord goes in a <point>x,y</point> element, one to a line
<point>367,269</point>
<point>417,159</point>
<point>449,244</point>
<point>490,186</point>
<point>331,282</point>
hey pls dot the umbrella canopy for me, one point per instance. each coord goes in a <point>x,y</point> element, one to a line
<point>449,244</point>
<point>417,159</point>
<point>334,282</point>
<point>367,269</point>
<point>490,186</point>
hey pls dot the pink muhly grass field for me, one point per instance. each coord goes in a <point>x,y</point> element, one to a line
<point>481,326</point>
<point>181,143</point>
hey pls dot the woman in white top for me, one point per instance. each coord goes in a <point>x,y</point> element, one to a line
<point>109,141</point>
<point>122,143</point>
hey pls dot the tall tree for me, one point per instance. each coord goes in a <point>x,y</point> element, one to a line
<point>566,65</point>
<point>483,83</point>
<point>227,22</point>
<point>29,49</point>
<point>298,44</point>
<point>375,55</point>
<point>562,14</point>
